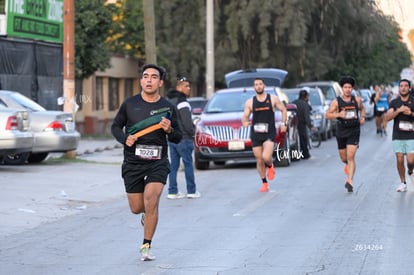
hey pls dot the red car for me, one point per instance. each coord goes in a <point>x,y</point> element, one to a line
<point>220,136</point>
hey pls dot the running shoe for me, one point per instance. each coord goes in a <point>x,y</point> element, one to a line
<point>143,219</point>
<point>271,172</point>
<point>265,187</point>
<point>145,253</point>
<point>346,169</point>
<point>194,195</point>
<point>402,187</point>
<point>179,195</point>
<point>349,187</point>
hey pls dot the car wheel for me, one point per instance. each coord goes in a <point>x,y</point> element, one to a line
<point>201,165</point>
<point>281,157</point>
<point>36,158</point>
<point>16,159</point>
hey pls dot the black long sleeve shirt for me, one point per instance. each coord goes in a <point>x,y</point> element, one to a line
<point>134,110</point>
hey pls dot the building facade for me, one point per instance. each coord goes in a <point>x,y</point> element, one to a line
<point>100,95</point>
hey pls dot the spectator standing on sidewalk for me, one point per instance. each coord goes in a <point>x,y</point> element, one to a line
<point>263,129</point>
<point>350,112</point>
<point>402,112</point>
<point>303,114</point>
<point>184,149</point>
<point>149,120</point>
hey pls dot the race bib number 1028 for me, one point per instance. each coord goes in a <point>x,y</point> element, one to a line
<point>148,151</point>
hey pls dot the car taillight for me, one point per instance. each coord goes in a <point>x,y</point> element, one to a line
<point>54,126</point>
<point>12,123</point>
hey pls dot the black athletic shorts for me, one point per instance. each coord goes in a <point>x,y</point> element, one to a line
<point>259,141</point>
<point>352,139</point>
<point>379,113</point>
<point>136,176</point>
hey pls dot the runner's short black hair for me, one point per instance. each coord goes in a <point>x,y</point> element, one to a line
<point>405,80</point>
<point>347,80</point>
<point>160,69</point>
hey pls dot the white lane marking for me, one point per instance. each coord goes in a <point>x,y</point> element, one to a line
<point>255,204</point>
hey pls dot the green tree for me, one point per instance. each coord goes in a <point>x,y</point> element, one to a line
<point>312,40</point>
<point>92,24</point>
<point>181,42</point>
<point>126,35</point>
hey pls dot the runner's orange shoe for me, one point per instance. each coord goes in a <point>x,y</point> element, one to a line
<point>346,169</point>
<point>265,187</point>
<point>271,172</point>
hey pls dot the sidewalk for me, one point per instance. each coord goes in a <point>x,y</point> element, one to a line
<point>100,150</point>
<point>89,146</point>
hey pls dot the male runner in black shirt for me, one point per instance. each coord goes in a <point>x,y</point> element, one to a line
<point>263,129</point>
<point>149,120</point>
<point>350,112</point>
<point>402,112</point>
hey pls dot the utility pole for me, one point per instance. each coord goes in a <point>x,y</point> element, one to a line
<point>149,32</point>
<point>210,49</point>
<point>69,60</point>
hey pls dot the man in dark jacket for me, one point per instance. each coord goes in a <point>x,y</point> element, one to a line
<point>303,114</point>
<point>185,148</point>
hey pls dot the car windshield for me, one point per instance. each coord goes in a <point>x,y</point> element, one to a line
<point>315,99</point>
<point>197,104</point>
<point>328,92</point>
<point>26,102</point>
<point>292,96</point>
<point>228,102</point>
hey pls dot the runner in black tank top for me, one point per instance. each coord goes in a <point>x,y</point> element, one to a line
<point>350,112</point>
<point>263,124</point>
<point>263,129</point>
<point>349,125</point>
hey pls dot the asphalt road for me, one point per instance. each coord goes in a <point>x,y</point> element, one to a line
<point>73,218</point>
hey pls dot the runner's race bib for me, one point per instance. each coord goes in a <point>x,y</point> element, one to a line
<point>148,151</point>
<point>350,114</point>
<point>261,128</point>
<point>406,126</point>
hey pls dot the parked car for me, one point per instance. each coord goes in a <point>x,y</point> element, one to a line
<point>368,104</point>
<point>53,131</point>
<point>319,107</point>
<point>220,136</point>
<point>15,136</point>
<point>330,89</point>
<point>197,104</point>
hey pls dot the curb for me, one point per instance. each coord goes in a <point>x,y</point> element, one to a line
<point>98,149</point>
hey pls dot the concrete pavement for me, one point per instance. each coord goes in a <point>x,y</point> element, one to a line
<point>97,149</point>
<point>89,146</point>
